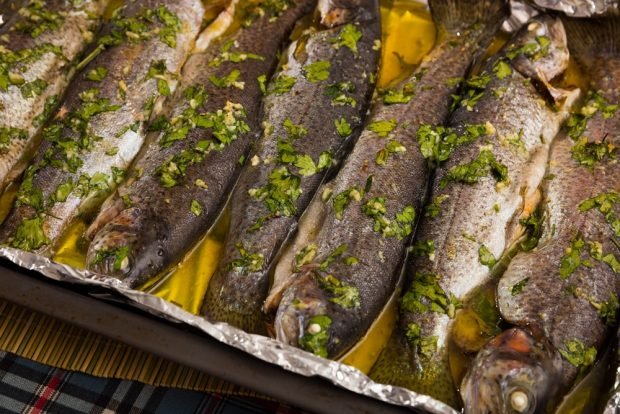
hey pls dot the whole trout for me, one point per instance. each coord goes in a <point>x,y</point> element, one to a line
<point>307,124</point>
<point>101,124</point>
<point>492,161</point>
<point>563,296</point>
<point>185,172</point>
<point>39,46</point>
<point>345,266</point>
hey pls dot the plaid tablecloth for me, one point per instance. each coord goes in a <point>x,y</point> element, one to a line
<point>29,387</point>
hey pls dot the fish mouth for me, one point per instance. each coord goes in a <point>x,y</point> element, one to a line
<point>513,374</point>
<point>338,12</point>
<point>129,247</point>
<point>301,303</point>
<point>542,49</point>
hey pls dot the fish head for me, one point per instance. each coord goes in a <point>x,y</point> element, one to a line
<point>130,247</point>
<point>339,12</point>
<point>513,374</point>
<point>541,49</point>
<point>302,311</point>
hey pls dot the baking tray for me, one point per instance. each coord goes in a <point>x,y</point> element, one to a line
<point>179,343</point>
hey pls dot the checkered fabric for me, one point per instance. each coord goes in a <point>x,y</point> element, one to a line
<point>33,388</point>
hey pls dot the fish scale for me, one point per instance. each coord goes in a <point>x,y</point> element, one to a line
<point>183,175</point>
<point>562,296</point>
<point>479,194</point>
<point>337,278</point>
<point>101,124</point>
<point>54,33</point>
<point>305,118</point>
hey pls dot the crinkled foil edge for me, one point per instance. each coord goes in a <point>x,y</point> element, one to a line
<point>270,350</point>
<point>580,8</point>
<point>267,349</point>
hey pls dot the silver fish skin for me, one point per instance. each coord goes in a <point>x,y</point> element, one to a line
<point>101,124</point>
<point>39,44</point>
<point>565,292</point>
<point>479,195</point>
<point>186,171</point>
<point>339,281</point>
<point>300,142</point>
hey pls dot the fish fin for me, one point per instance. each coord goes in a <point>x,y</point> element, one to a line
<point>588,38</point>
<point>453,15</point>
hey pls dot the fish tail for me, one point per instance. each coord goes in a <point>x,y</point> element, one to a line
<point>455,15</point>
<point>589,38</point>
<point>219,305</point>
<point>398,365</point>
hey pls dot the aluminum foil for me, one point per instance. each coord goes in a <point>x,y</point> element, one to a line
<point>613,405</point>
<point>267,349</point>
<point>580,8</point>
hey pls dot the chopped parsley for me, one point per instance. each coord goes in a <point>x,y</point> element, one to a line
<point>589,154</point>
<point>343,127</point>
<point>343,294</point>
<point>262,83</point>
<point>32,89</point>
<point>229,55</point>
<point>38,19</point>
<point>572,257</point>
<point>29,235</point>
<point>576,353</point>
<point>282,84</point>
<point>424,346</point>
<point>399,96</point>
<point>140,27</point>
<point>305,255</point>
<point>502,69</point>
<point>317,71</point>
<point>424,248</point>
<point>433,209</point>
<point>336,253</point>
<point>8,134</point>
<point>196,208</point>
<point>337,92</point>
<point>248,262</point>
<point>341,201</point>
<point>534,50</point>
<point>471,172</point>
<point>97,74</point>
<point>281,192</point>
<point>474,90</point>
<point>604,203</point>
<point>595,103</point>
<point>316,337</point>
<point>120,256</point>
<point>383,128</point>
<point>348,37</point>
<point>519,286</point>
<point>608,311</point>
<point>425,295</point>
<point>400,227</point>
<point>485,257</point>
<point>232,79</point>
<point>438,143</point>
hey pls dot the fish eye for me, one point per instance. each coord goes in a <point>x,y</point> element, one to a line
<point>520,401</point>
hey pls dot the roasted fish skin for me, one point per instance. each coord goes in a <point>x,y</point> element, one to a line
<point>525,370</point>
<point>39,44</point>
<point>339,282</point>
<point>566,290</point>
<point>187,170</point>
<point>101,124</point>
<point>480,193</point>
<point>302,138</point>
